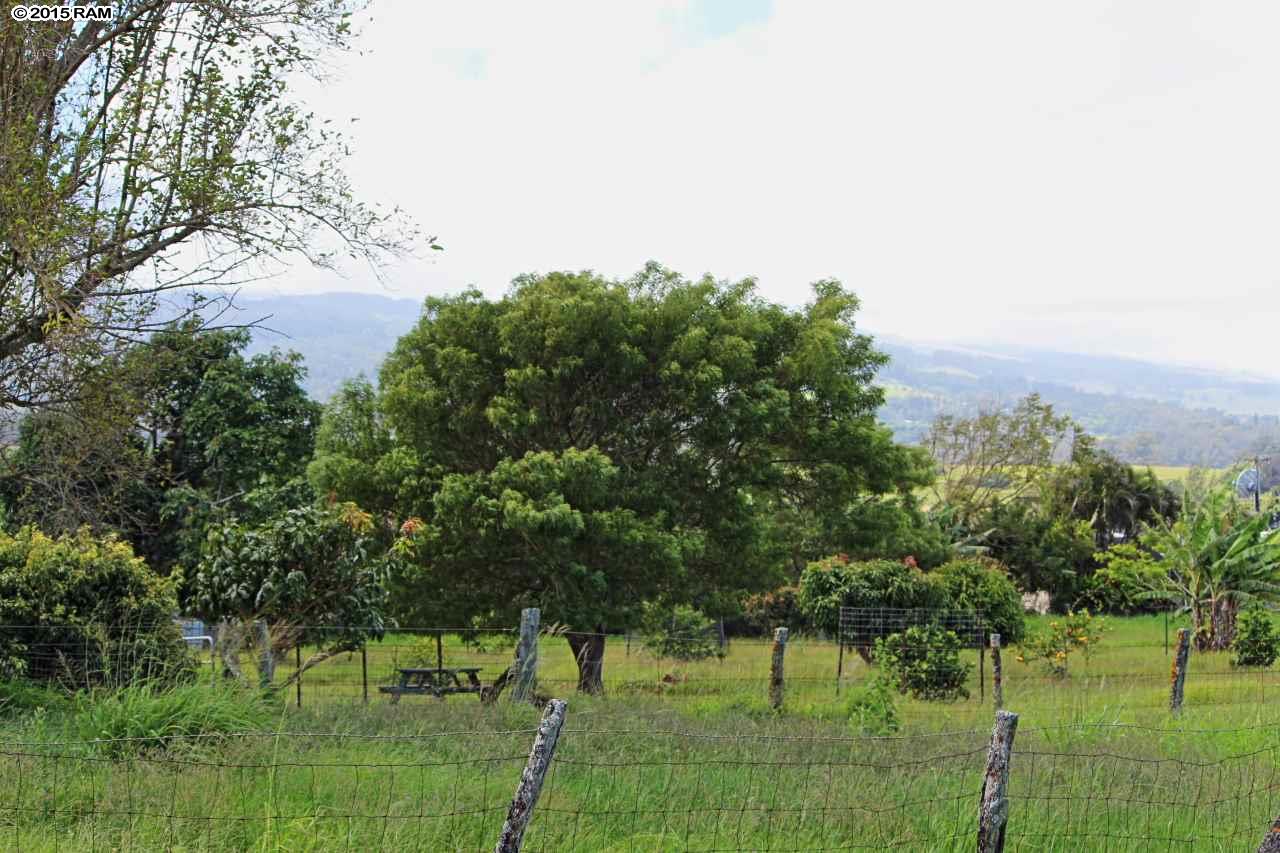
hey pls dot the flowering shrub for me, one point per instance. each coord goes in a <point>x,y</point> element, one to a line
<point>1076,632</point>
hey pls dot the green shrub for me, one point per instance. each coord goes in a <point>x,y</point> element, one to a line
<point>680,633</point>
<point>1257,642</point>
<point>985,586</point>
<point>1125,583</point>
<point>1078,631</point>
<point>835,582</point>
<point>872,707</point>
<point>91,612</point>
<point>142,718</point>
<point>924,662</point>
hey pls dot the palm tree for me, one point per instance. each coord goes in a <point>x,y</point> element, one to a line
<point>1216,558</point>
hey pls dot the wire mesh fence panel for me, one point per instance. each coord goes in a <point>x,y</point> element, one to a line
<point>860,627</point>
<point>285,791</point>
<point>644,790</point>
<point>1129,788</point>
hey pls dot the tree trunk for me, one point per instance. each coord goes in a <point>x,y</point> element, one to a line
<point>1224,623</point>
<point>1199,630</point>
<point>588,652</point>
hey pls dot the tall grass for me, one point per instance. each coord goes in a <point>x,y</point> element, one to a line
<point>145,717</point>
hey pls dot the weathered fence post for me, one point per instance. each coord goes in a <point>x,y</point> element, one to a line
<point>530,785</point>
<point>266,657</point>
<point>775,668</point>
<point>982,669</point>
<point>1271,844</point>
<point>993,810</point>
<point>525,668</point>
<point>1178,677</point>
<point>997,674</point>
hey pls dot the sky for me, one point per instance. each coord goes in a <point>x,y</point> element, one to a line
<point>1085,176</point>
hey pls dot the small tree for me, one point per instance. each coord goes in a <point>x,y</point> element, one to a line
<point>680,633</point>
<point>1257,642</point>
<point>924,661</point>
<point>312,574</point>
<point>1052,647</point>
<point>1213,558</point>
<point>996,456</point>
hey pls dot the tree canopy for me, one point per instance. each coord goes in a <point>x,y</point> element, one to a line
<point>177,430</point>
<point>583,445</point>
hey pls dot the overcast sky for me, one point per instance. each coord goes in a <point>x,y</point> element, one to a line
<point>1086,176</point>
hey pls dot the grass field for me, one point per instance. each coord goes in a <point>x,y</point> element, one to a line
<point>700,764</point>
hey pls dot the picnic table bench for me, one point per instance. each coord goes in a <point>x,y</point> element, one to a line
<point>434,681</point>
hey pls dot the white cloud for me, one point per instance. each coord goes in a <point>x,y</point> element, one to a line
<point>971,170</point>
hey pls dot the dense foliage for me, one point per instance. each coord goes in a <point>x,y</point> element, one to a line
<point>182,432</point>
<point>1042,552</point>
<point>84,611</point>
<point>835,582</point>
<point>971,585</point>
<point>1213,559</point>
<point>983,585</point>
<point>1116,500</point>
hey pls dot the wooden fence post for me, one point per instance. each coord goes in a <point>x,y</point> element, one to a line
<point>1178,677</point>
<point>530,785</point>
<point>997,673</point>
<point>525,668</point>
<point>775,668</point>
<point>993,809</point>
<point>1271,844</point>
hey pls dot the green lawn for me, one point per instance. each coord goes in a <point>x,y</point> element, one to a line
<point>694,762</point>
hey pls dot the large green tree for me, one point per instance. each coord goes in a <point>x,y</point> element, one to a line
<point>584,445</point>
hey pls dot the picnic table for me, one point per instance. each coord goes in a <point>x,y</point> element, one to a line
<point>434,681</point>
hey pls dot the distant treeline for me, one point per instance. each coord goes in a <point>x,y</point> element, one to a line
<point>1146,432</point>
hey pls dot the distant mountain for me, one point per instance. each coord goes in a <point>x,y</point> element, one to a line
<point>1145,412</point>
<point>340,335</point>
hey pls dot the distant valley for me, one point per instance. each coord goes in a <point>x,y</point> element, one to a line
<point>1145,413</point>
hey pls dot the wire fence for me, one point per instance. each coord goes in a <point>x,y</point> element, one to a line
<point>1129,675</point>
<point>1080,787</point>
